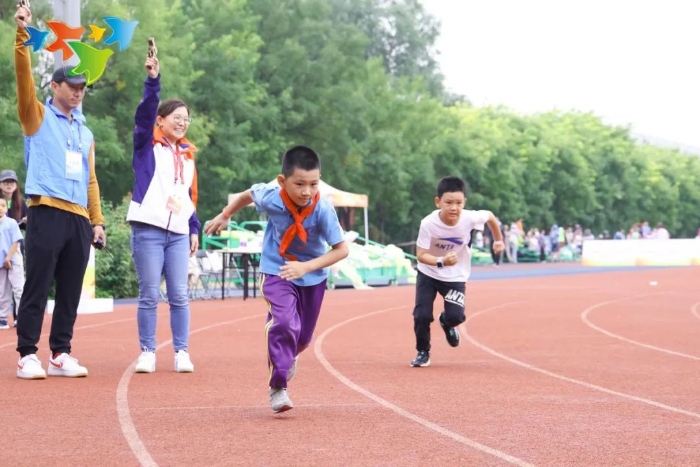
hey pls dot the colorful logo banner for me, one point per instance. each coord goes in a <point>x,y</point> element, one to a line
<point>92,60</point>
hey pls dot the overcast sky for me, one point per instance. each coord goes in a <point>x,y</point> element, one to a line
<point>629,62</point>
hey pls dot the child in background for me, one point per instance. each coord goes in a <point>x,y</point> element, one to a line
<point>444,263</point>
<point>16,209</point>
<point>294,260</point>
<point>11,273</point>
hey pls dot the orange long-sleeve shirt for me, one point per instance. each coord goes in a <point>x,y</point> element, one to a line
<point>31,115</point>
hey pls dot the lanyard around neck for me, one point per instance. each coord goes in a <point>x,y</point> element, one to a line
<point>178,163</point>
<point>70,134</point>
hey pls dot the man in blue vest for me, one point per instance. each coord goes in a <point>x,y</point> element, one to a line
<point>65,215</point>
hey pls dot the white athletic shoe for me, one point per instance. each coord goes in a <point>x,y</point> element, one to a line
<point>65,365</point>
<point>279,400</point>
<point>29,367</point>
<point>183,364</point>
<point>146,362</point>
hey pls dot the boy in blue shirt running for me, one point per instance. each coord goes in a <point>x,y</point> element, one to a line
<point>294,261</point>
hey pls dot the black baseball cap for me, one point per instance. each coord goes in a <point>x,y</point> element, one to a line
<point>63,74</point>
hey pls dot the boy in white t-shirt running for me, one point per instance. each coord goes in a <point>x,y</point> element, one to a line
<point>444,263</point>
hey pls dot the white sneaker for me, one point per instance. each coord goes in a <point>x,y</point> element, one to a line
<point>146,362</point>
<point>65,365</point>
<point>279,400</point>
<point>183,364</point>
<point>29,367</point>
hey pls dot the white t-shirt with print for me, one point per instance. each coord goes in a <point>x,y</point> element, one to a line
<point>440,239</point>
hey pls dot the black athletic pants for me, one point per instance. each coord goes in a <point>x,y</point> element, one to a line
<point>427,289</point>
<point>57,246</point>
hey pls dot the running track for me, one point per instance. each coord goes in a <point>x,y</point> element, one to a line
<point>557,367</point>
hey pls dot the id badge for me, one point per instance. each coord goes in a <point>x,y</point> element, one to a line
<point>74,166</point>
<point>174,204</point>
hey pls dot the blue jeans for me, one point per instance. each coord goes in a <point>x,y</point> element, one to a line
<point>157,251</point>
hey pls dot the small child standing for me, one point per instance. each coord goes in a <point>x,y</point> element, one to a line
<point>444,263</point>
<point>12,271</point>
<point>294,262</point>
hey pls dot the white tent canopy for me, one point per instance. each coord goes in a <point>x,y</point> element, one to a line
<point>338,198</point>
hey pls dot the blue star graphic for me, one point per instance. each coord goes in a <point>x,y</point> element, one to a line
<point>122,31</point>
<point>36,38</point>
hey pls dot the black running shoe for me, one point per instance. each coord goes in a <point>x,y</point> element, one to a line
<point>451,334</point>
<point>422,359</point>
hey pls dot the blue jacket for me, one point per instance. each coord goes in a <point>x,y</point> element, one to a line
<point>45,153</point>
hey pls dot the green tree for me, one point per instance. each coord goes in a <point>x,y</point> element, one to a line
<point>241,145</point>
<point>115,275</point>
<point>401,33</point>
<point>111,103</point>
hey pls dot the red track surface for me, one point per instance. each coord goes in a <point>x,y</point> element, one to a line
<point>591,369</point>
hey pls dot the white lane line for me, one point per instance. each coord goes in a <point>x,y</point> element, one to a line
<point>585,384</point>
<point>318,350</point>
<point>695,310</point>
<point>586,320</point>
<point>125,421</point>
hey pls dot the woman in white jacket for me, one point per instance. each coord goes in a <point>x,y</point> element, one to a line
<point>163,219</point>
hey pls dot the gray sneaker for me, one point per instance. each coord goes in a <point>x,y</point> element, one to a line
<point>279,400</point>
<point>293,369</point>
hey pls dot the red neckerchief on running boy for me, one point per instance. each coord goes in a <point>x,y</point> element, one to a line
<point>296,229</point>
